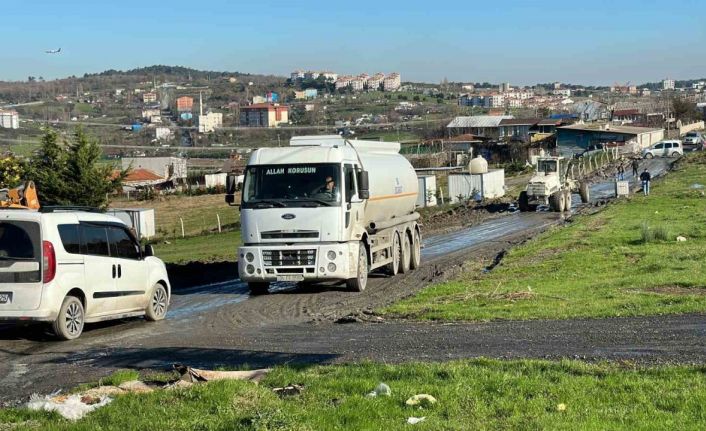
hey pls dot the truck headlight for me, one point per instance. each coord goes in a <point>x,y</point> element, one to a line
<point>331,267</point>
<point>249,269</point>
<point>249,257</point>
<point>331,255</point>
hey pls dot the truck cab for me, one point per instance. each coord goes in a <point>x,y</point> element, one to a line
<point>306,211</point>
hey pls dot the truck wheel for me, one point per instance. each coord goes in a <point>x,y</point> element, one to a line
<point>416,259</point>
<point>523,202</point>
<point>556,201</point>
<point>359,283</point>
<point>69,323</point>
<point>584,193</point>
<point>259,288</point>
<point>567,200</point>
<point>394,267</point>
<point>406,254</point>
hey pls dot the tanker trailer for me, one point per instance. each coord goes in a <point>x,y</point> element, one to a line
<point>326,208</point>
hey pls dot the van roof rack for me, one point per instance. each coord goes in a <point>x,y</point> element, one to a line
<point>58,208</point>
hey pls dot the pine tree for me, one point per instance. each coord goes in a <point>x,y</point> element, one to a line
<point>73,175</point>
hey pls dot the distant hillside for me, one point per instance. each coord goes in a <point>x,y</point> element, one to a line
<point>677,83</point>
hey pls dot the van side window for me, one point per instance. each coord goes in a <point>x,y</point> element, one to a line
<point>70,238</point>
<point>122,245</point>
<point>659,146</point>
<point>94,240</point>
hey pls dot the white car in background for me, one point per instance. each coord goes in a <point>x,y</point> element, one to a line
<point>667,148</point>
<point>71,267</point>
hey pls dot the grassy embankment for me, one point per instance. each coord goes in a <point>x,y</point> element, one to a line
<point>478,394</point>
<point>623,261</point>
<point>203,242</point>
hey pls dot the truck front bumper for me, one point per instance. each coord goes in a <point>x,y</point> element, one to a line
<point>266,263</point>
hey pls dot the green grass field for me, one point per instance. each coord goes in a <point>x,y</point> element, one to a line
<point>213,247</point>
<point>599,266</point>
<point>471,395</point>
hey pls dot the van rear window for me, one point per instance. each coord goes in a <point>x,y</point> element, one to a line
<point>20,252</point>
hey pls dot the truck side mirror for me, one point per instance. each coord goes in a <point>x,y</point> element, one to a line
<point>231,186</point>
<point>363,185</point>
<point>149,251</point>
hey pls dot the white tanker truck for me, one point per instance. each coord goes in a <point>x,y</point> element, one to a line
<point>326,208</point>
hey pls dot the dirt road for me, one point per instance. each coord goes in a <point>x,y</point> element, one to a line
<point>219,325</point>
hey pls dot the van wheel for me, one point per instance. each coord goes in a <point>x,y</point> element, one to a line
<point>416,258</point>
<point>359,283</point>
<point>406,254</point>
<point>394,267</point>
<point>69,324</point>
<point>157,307</point>
<point>260,288</point>
<point>675,154</point>
<point>649,156</point>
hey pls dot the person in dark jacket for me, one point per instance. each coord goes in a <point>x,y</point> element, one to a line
<point>635,166</point>
<point>645,177</point>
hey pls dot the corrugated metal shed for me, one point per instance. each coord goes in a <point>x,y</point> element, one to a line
<point>478,121</point>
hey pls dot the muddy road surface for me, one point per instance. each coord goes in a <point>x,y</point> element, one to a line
<point>220,325</point>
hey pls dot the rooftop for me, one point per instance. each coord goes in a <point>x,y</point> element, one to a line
<point>520,121</point>
<point>603,127</point>
<point>478,121</point>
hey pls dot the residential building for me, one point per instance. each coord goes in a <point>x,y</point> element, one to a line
<point>299,95</point>
<point>312,75</point>
<point>514,103</point>
<point>150,97</point>
<point>375,81</point>
<point>272,96</point>
<point>185,104</point>
<point>311,93</point>
<point>210,122</point>
<point>517,129</point>
<point>264,115</point>
<point>668,84</point>
<point>358,84</point>
<point>9,119</point>
<point>494,101</point>
<point>627,116</point>
<point>468,87</point>
<point>297,74</point>
<point>168,168</point>
<point>484,126</point>
<point>392,82</point>
<point>505,87</point>
<point>163,133</point>
<point>149,113</point>
<point>258,99</point>
<point>580,136</point>
<point>330,76</point>
<point>562,92</point>
<point>343,82</point>
<point>645,92</point>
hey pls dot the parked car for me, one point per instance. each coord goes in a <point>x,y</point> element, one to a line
<point>69,267</point>
<point>693,141</point>
<point>669,148</point>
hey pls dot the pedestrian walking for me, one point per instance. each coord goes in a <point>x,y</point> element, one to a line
<point>645,177</point>
<point>621,172</point>
<point>635,167</point>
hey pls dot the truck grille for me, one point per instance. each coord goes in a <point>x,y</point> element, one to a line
<point>535,189</point>
<point>278,234</point>
<point>289,257</point>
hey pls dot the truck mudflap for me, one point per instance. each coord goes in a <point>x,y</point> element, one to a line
<point>300,262</point>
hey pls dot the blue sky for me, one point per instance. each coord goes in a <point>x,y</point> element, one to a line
<point>522,42</point>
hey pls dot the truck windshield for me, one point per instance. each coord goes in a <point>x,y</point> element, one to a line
<point>292,185</point>
<point>546,166</point>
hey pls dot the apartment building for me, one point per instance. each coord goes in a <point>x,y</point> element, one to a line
<point>668,84</point>
<point>297,74</point>
<point>343,82</point>
<point>264,115</point>
<point>210,122</point>
<point>311,75</point>
<point>150,97</point>
<point>392,82</point>
<point>330,76</point>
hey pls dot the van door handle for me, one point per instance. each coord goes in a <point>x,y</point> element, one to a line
<point>113,271</point>
<point>120,271</point>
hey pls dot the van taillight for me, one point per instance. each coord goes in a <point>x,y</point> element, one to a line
<point>48,261</point>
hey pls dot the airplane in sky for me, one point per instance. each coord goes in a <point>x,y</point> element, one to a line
<point>53,51</point>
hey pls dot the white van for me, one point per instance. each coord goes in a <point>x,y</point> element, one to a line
<point>669,148</point>
<point>73,267</point>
